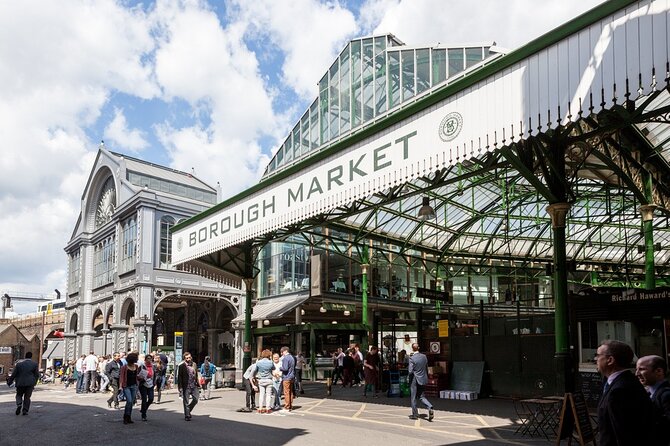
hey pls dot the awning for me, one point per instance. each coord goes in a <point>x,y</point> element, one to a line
<point>54,351</point>
<point>273,308</point>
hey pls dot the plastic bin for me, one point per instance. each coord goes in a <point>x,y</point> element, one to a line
<point>229,376</point>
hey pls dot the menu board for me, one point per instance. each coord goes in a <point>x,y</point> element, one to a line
<point>575,418</point>
<point>590,384</point>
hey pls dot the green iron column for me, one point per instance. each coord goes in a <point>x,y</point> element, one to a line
<point>364,297</point>
<point>246,349</point>
<point>647,211</point>
<point>558,212</point>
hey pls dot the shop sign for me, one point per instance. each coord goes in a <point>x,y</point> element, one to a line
<point>443,328</point>
<point>640,296</point>
<point>427,293</point>
<point>5,350</point>
<point>339,307</point>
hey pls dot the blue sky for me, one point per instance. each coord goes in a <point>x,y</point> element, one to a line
<point>210,86</point>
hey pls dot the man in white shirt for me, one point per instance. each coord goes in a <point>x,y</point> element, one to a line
<point>79,367</point>
<point>91,374</point>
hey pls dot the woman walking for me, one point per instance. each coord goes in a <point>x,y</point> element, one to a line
<point>146,385</point>
<point>128,385</point>
<point>264,368</point>
<point>160,378</point>
<point>207,371</point>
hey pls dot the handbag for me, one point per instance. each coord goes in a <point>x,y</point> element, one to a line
<point>202,381</point>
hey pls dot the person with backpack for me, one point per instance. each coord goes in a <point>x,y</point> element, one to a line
<point>207,371</point>
<point>652,371</point>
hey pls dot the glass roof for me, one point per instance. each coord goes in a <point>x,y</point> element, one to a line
<point>372,77</point>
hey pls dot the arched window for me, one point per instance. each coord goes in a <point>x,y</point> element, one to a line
<point>167,223</point>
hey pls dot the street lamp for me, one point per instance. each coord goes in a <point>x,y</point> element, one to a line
<point>146,333</point>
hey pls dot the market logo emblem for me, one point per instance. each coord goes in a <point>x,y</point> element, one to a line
<point>180,244</point>
<point>450,126</point>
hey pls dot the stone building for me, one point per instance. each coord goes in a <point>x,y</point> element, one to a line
<point>123,293</point>
<point>13,346</point>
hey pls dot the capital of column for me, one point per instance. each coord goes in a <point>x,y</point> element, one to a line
<point>558,212</point>
<point>647,211</point>
<point>248,283</point>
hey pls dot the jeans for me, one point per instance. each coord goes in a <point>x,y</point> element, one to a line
<point>147,394</point>
<point>264,393</point>
<point>298,381</point>
<point>188,407</point>
<point>90,381</point>
<point>23,394</point>
<point>80,382</point>
<point>160,382</point>
<point>277,387</point>
<point>104,382</point>
<point>114,384</point>
<point>130,393</point>
<point>250,397</point>
<point>417,390</point>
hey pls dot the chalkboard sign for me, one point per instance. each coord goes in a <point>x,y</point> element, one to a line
<point>591,385</point>
<point>575,417</point>
<point>467,376</point>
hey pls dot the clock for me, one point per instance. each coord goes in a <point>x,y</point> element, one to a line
<point>435,348</point>
<point>106,203</point>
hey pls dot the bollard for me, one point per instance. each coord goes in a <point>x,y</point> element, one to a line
<point>329,386</point>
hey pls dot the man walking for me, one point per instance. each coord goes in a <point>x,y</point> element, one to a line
<point>288,375</point>
<point>651,371</point>
<point>418,377</point>
<point>625,412</point>
<point>91,375</point>
<point>112,371</point>
<point>188,384</point>
<point>24,375</point>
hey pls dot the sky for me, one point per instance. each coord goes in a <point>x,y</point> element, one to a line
<point>207,86</point>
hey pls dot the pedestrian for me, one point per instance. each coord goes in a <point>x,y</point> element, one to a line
<point>164,361</point>
<point>652,372</point>
<point>276,381</point>
<point>288,375</point>
<point>625,411</point>
<point>112,370</point>
<point>371,369</point>
<point>79,368</point>
<point>300,365</point>
<point>264,369</point>
<point>24,376</point>
<point>348,368</point>
<point>146,384</point>
<point>188,384</point>
<point>249,380</point>
<point>359,374</point>
<point>338,359</point>
<point>104,379</point>
<point>418,378</point>
<point>91,374</point>
<point>207,371</point>
<point>160,369</point>
<point>128,384</point>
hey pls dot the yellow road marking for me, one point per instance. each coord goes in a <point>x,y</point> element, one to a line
<point>316,405</point>
<point>360,410</point>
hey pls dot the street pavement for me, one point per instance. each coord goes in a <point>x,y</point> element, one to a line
<point>61,417</point>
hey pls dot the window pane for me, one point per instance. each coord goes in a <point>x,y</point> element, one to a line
<point>356,87</point>
<point>368,81</point>
<point>394,78</point>
<point>407,75</point>
<point>439,66</point>
<point>473,56</point>
<point>345,95</point>
<point>380,75</point>
<point>314,134</point>
<point>323,109</point>
<point>422,71</point>
<point>334,100</point>
<point>455,61</point>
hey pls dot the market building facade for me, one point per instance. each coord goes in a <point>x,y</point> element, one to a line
<point>464,197</point>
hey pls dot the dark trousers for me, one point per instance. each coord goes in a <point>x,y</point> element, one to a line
<point>114,384</point>
<point>23,394</point>
<point>337,374</point>
<point>188,406</point>
<point>416,390</point>
<point>160,380</point>
<point>147,394</point>
<point>90,381</point>
<point>251,395</point>
<point>346,380</point>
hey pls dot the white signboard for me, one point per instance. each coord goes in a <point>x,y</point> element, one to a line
<point>5,350</point>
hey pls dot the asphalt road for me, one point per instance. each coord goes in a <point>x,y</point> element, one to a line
<point>61,417</point>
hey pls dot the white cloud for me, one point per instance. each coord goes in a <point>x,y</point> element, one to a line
<point>117,131</point>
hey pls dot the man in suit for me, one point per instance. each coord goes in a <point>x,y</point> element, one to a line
<point>625,412</point>
<point>24,375</point>
<point>418,377</point>
<point>651,371</point>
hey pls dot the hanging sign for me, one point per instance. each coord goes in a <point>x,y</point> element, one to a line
<point>178,346</point>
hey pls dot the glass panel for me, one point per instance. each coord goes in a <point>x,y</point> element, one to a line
<point>314,126</point>
<point>380,75</point>
<point>455,61</point>
<point>394,78</point>
<point>345,95</point>
<point>368,79</point>
<point>304,134</point>
<point>407,75</point>
<point>472,56</point>
<point>356,83</point>
<point>296,141</point>
<point>439,66</point>
<point>323,109</point>
<point>334,100</point>
<point>288,149</point>
<point>280,156</point>
<point>422,70</point>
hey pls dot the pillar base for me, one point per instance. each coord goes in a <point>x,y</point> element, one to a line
<point>565,373</point>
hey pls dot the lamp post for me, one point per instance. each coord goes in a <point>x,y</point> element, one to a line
<point>146,333</point>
